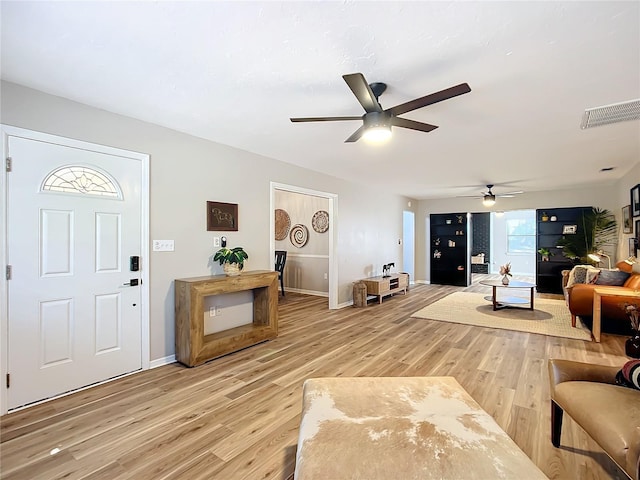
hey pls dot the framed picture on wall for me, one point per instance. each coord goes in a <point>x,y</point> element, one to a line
<point>222,217</point>
<point>627,223</point>
<point>635,201</point>
<point>637,234</point>
<point>633,246</point>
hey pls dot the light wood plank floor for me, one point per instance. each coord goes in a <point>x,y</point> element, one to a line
<point>237,417</point>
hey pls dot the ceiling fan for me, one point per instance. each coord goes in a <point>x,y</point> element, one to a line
<point>376,121</point>
<point>489,198</point>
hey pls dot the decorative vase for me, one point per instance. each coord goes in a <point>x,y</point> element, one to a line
<point>632,345</point>
<point>231,269</point>
<point>505,280</point>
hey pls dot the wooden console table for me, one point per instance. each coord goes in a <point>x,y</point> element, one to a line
<point>387,285</point>
<point>193,347</point>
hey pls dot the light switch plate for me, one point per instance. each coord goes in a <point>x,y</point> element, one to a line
<point>163,246</point>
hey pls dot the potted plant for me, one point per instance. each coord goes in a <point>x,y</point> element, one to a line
<point>598,229</point>
<point>545,253</point>
<point>231,259</point>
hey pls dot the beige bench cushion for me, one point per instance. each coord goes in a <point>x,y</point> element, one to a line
<point>402,428</point>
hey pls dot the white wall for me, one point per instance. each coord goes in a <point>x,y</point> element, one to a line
<point>622,197</point>
<point>183,176</point>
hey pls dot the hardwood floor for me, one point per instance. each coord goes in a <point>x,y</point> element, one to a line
<point>237,417</point>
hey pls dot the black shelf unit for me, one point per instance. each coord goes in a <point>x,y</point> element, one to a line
<point>450,249</point>
<point>548,234</point>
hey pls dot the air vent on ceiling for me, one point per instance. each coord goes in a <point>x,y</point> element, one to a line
<point>614,113</point>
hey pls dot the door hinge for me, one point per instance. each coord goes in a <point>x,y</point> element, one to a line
<point>9,163</point>
<point>8,272</point>
<point>8,380</point>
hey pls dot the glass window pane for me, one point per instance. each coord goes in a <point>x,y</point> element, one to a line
<point>82,180</point>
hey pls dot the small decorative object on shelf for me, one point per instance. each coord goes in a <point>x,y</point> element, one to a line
<point>632,345</point>
<point>460,218</point>
<point>545,253</point>
<point>447,221</point>
<point>553,218</point>
<point>386,269</point>
<point>505,271</point>
<point>452,243</point>
<point>545,217</point>
<point>437,254</point>
<point>232,260</point>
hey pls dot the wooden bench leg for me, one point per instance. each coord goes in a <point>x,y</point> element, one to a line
<point>556,423</point>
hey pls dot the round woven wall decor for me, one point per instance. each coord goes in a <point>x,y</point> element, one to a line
<point>283,222</point>
<point>299,235</point>
<point>320,221</point>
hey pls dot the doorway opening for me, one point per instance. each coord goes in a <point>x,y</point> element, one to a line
<point>306,230</point>
<point>408,243</point>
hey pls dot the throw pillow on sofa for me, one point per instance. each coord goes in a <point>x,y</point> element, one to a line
<point>612,277</point>
<point>629,376</point>
<point>582,274</point>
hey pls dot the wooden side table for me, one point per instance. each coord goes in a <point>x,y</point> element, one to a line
<point>388,285</point>
<point>600,292</point>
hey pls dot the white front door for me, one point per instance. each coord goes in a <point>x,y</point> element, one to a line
<point>74,219</point>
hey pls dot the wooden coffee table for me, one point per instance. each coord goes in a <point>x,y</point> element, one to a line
<point>509,301</point>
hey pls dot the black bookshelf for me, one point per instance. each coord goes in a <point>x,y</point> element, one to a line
<point>552,225</point>
<point>450,249</point>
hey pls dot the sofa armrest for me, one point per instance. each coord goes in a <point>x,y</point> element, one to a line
<point>567,371</point>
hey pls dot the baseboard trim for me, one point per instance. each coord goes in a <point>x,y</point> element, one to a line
<point>162,361</point>
<point>305,292</point>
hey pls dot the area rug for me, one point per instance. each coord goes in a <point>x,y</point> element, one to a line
<point>550,317</point>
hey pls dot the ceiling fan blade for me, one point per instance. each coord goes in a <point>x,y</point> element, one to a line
<point>510,194</point>
<point>355,136</point>
<point>430,99</point>
<point>412,124</point>
<point>363,92</point>
<point>324,119</point>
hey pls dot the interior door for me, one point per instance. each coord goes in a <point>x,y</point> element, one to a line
<point>73,223</point>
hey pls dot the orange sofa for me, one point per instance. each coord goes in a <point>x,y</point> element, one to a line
<point>579,299</point>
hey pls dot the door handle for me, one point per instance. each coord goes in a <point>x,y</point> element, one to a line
<point>133,282</point>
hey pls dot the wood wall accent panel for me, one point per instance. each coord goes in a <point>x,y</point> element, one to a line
<point>193,347</point>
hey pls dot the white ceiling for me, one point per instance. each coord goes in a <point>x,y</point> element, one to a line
<point>234,72</point>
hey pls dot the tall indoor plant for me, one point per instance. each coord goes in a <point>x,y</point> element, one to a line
<point>598,228</point>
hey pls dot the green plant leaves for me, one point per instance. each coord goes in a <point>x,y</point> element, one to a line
<point>598,228</point>
<point>233,255</point>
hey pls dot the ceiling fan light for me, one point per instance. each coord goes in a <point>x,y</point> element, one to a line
<point>489,200</point>
<point>377,133</point>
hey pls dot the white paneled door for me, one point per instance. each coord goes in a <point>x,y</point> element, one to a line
<point>73,224</point>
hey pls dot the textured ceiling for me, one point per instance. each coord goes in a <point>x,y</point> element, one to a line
<point>234,72</point>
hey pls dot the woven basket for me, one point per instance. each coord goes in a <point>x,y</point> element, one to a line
<point>231,269</point>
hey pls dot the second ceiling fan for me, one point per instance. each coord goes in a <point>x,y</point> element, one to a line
<point>489,198</point>
<point>376,120</point>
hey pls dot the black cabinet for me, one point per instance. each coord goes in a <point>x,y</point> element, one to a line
<point>450,249</point>
<point>552,225</point>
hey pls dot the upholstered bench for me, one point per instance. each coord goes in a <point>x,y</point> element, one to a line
<point>402,428</point>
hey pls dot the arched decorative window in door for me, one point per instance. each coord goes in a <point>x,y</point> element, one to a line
<point>82,180</point>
